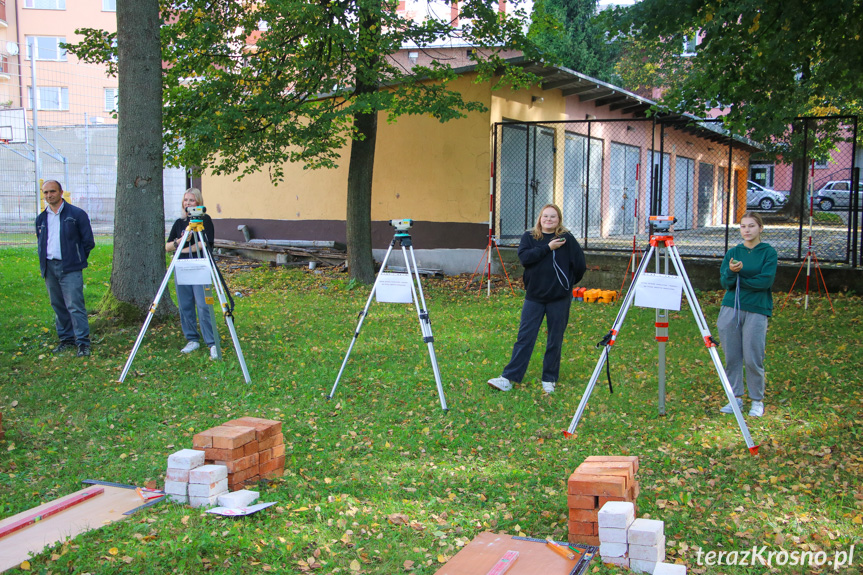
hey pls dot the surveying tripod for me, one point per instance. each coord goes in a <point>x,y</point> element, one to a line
<point>664,243</point>
<point>196,229</point>
<point>403,238</point>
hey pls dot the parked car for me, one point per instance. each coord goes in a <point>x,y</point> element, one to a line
<point>837,194</point>
<point>765,199</point>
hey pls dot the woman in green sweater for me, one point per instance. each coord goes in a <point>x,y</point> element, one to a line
<point>747,273</point>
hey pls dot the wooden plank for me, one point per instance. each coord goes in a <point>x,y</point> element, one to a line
<point>483,553</point>
<point>51,510</point>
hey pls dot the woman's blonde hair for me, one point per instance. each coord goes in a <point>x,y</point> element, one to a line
<point>199,197</point>
<point>537,229</point>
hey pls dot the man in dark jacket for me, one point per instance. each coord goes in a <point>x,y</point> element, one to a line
<point>65,238</point>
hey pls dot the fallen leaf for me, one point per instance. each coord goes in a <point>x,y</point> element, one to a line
<point>25,565</point>
<point>355,565</point>
<point>113,550</point>
<point>408,565</point>
<point>398,519</point>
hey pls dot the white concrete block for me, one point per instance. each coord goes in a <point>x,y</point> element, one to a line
<point>669,569</point>
<point>655,553</point>
<point>617,514</point>
<point>646,531</point>
<point>177,488</point>
<point>612,535</point>
<point>639,566</point>
<point>203,501</point>
<point>173,474</point>
<point>186,459</point>
<point>241,498</point>
<point>205,490</point>
<point>612,549</point>
<point>619,561</point>
<point>178,498</point>
<point>208,474</point>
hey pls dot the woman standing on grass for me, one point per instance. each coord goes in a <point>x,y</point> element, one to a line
<point>553,263</point>
<point>191,297</point>
<point>747,273</point>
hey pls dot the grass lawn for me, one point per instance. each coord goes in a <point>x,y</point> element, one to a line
<point>382,446</point>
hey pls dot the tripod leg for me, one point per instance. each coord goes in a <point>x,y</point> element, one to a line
<point>223,301</point>
<point>584,398</point>
<point>711,347</point>
<point>153,307</point>
<point>425,321</point>
<point>363,315</point>
<point>661,324</point>
<point>609,341</point>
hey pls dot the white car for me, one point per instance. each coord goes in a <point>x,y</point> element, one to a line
<point>837,194</point>
<point>761,198</point>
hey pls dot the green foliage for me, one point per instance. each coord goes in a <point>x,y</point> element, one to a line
<point>383,448</point>
<point>240,100</point>
<point>826,217</point>
<point>766,63</point>
<point>568,32</point>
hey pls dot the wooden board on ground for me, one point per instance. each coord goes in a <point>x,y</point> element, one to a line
<point>480,555</point>
<point>93,513</point>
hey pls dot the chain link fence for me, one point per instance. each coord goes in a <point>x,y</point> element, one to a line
<point>72,138</point>
<point>608,176</point>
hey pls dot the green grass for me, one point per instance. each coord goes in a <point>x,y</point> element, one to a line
<point>383,446</point>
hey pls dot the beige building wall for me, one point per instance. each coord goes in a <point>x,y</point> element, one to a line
<point>424,170</point>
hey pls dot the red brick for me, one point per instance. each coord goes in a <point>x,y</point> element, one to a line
<point>581,501</point>
<point>583,515</point>
<point>240,464</point>
<point>634,491</point>
<point>252,480</point>
<point>273,464</point>
<point>279,450</point>
<point>604,500</point>
<point>265,455</point>
<point>583,528</point>
<point>584,539</point>
<point>263,427</point>
<point>212,454</point>
<point>271,441</point>
<point>224,437</point>
<point>631,458</point>
<point>593,469</point>
<point>243,474</point>
<point>251,447</point>
<point>600,485</point>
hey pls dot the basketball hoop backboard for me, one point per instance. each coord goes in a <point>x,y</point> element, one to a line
<point>13,125</point>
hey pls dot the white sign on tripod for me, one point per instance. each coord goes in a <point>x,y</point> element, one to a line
<point>659,291</point>
<point>394,288</point>
<point>193,272</point>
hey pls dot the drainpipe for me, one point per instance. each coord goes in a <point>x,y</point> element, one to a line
<point>20,69</point>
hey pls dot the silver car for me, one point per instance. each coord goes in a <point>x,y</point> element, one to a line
<point>761,198</point>
<point>837,194</point>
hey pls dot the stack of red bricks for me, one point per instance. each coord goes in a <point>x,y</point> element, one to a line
<point>600,479</point>
<point>250,447</point>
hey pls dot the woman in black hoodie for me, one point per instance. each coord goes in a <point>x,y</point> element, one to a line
<point>553,263</point>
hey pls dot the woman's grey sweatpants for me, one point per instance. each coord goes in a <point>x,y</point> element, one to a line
<point>743,345</point>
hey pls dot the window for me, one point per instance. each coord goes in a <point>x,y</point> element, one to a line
<point>821,164</point>
<point>689,44</point>
<point>49,98</point>
<point>111,99</point>
<point>109,5</point>
<point>47,47</point>
<point>45,4</point>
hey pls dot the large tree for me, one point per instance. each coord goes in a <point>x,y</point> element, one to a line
<point>134,54</point>
<point>765,63</point>
<point>249,86</point>
<point>570,33</point>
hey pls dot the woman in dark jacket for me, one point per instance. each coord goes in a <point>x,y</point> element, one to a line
<point>191,298</point>
<point>553,263</point>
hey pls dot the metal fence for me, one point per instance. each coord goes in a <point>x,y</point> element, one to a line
<point>609,175</point>
<point>72,139</point>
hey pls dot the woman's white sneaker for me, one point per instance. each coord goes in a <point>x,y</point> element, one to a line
<point>548,386</point>
<point>500,383</point>
<point>190,347</point>
<point>757,409</point>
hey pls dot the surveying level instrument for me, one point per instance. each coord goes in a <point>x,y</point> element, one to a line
<point>661,239</point>
<point>403,238</point>
<point>200,251</point>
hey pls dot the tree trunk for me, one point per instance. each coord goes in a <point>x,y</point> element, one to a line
<point>359,205</point>
<point>139,214</point>
<point>359,208</point>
